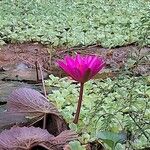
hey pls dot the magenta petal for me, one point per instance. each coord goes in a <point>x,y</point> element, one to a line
<point>69,61</point>
<point>78,74</point>
<point>82,68</point>
<point>89,59</point>
<point>63,66</point>
<point>67,69</point>
<point>98,62</point>
<point>78,59</point>
<point>93,62</point>
<point>97,69</point>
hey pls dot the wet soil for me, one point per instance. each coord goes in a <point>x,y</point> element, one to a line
<point>18,63</point>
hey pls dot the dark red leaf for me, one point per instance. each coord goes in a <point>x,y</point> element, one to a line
<point>64,137</point>
<point>8,119</point>
<point>24,138</point>
<point>34,106</point>
<point>27,138</point>
<point>58,142</point>
<point>27,100</point>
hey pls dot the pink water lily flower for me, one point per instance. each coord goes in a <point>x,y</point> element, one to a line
<point>82,68</point>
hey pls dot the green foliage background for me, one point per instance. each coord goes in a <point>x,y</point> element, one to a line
<point>75,22</point>
<point>119,105</point>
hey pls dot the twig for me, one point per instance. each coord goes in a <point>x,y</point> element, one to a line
<point>138,126</point>
<point>42,78</point>
<point>44,89</point>
<point>37,73</point>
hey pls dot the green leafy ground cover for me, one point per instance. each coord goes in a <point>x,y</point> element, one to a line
<point>79,22</point>
<point>119,106</point>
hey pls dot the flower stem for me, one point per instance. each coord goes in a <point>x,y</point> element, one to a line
<point>79,104</point>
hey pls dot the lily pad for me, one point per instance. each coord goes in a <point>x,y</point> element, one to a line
<point>110,138</point>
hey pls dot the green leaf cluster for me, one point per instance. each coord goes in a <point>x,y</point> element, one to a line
<point>111,139</point>
<point>115,105</point>
<point>76,145</point>
<point>79,22</point>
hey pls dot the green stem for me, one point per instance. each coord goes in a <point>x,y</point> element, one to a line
<point>79,104</point>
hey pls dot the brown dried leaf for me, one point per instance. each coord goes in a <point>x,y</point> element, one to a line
<point>23,138</point>
<point>34,106</point>
<point>26,100</point>
<point>27,138</point>
<point>8,119</point>
<point>61,140</point>
<point>65,137</point>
